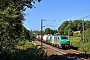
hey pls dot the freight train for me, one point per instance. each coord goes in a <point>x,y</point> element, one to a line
<point>62,41</point>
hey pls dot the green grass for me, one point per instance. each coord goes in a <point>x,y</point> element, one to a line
<point>25,44</point>
<point>76,42</point>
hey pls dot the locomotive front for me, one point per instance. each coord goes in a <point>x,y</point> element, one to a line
<point>65,41</point>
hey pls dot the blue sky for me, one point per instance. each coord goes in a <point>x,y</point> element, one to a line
<point>59,10</point>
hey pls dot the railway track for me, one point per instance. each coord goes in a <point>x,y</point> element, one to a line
<point>65,51</point>
<point>51,50</point>
<point>58,52</point>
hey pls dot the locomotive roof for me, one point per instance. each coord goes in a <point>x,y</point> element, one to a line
<point>59,35</point>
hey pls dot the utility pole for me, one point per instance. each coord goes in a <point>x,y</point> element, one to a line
<point>83,34</point>
<point>31,33</point>
<point>41,31</point>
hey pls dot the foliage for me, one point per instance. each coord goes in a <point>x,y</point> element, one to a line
<point>24,50</point>
<point>33,34</point>
<point>77,34</point>
<point>87,24</point>
<point>87,35</point>
<point>70,33</point>
<point>53,31</point>
<point>50,31</point>
<point>11,18</point>
<point>77,25</point>
<point>61,29</point>
<point>11,27</point>
<point>77,42</point>
<point>25,33</point>
<point>25,45</point>
<point>17,4</point>
<point>68,27</point>
<point>66,32</point>
<point>47,31</point>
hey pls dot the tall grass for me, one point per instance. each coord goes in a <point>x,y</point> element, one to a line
<point>77,42</point>
<point>25,44</point>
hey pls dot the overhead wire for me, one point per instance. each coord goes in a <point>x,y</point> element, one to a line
<point>84,17</point>
<point>74,15</point>
<point>77,14</point>
<point>66,18</point>
<point>49,23</point>
<point>88,16</point>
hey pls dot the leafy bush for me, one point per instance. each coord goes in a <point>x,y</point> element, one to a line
<point>77,34</point>
<point>77,42</point>
<point>25,50</point>
<point>25,44</point>
<point>29,54</point>
<point>20,43</point>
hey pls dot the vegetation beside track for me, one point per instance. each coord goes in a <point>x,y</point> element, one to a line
<point>25,45</point>
<point>24,50</point>
<point>77,42</point>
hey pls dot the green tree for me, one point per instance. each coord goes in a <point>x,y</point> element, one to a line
<point>11,27</point>
<point>77,25</point>
<point>87,34</point>
<point>66,32</point>
<point>69,26</point>
<point>11,17</point>
<point>47,31</point>
<point>87,24</point>
<point>70,33</point>
<point>62,27</point>
<point>55,31</point>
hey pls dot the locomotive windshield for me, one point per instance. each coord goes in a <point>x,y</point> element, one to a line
<point>64,37</point>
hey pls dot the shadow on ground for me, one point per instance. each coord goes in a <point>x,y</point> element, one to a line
<point>70,57</point>
<point>71,47</point>
<point>38,54</point>
<point>28,54</point>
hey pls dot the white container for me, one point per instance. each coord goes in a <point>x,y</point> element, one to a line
<point>45,38</point>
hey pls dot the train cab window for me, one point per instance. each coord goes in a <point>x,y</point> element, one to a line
<point>58,37</point>
<point>64,37</point>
